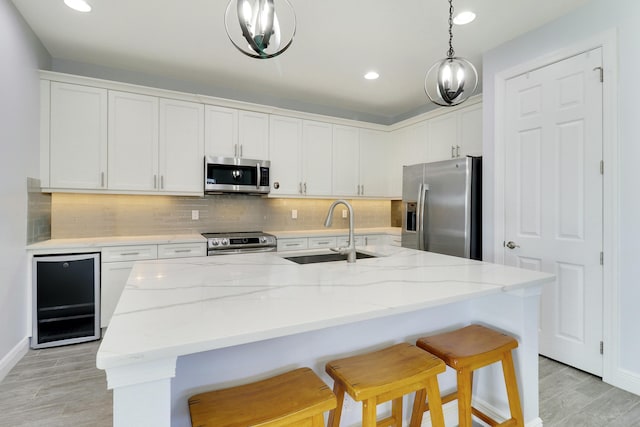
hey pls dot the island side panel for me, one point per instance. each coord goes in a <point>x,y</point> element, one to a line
<point>249,362</point>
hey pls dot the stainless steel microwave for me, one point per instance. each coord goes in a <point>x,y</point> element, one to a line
<point>235,175</point>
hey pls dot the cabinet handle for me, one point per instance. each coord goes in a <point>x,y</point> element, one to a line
<point>235,150</point>
<point>457,151</point>
<point>129,253</point>
<point>155,181</point>
<point>182,251</point>
<point>300,187</point>
<point>362,194</point>
<point>305,188</point>
<point>240,150</point>
<point>324,242</point>
<point>162,182</point>
<point>453,149</point>
<point>102,179</point>
<point>291,244</point>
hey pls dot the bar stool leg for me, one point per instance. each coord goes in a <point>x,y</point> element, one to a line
<point>419,407</point>
<point>369,416</point>
<point>464,398</point>
<point>335,414</point>
<point>512,389</point>
<point>396,411</point>
<point>435,403</point>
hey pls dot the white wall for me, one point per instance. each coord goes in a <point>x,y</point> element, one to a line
<point>587,22</point>
<point>21,54</point>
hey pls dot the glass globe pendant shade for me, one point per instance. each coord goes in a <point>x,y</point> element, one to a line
<point>450,81</point>
<point>260,28</point>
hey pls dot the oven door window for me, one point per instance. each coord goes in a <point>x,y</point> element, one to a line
<point>231,175</point>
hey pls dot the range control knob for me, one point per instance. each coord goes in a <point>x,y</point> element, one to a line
<point>214,243</point>
<point>225,242</point>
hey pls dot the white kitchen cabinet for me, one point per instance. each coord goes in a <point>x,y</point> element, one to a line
<point>181,250</point>
<point>285,136</point>
<point>316,158</point>
<point>77,137</point>
<point>181,147</point>
<point>343,241</point>
<point>133,142</point>
<point>322,242</point>
<point>470,122</point>
<point>221,131</point>
<point>443,138</point>
<point>345,164</point>
<point>374,164</point>
<point>375,239</point>
<point>300,157</point>
<point>292,244</point>
<point>253,135</point>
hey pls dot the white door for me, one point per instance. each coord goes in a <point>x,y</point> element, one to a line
<point>553,200</point>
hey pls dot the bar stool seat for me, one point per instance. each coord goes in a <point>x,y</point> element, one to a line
<point>297,397</point>
<point>388,374</point>
<point>471,348</point>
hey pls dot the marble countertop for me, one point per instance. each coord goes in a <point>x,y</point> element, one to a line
<point>175,307</point>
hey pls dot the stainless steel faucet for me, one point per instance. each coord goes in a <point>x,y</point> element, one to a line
<point>350,250</point>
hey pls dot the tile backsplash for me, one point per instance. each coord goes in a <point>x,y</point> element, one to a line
<point>90,215</point>
<point>38,212</point>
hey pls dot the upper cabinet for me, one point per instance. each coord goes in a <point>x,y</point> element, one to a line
<point>346,161</point>
<point>300,157</point>
<point>77,137</point>
<point>181,144</point>
<point>236,133</point>
<point>456,134</point>
<point>374,164</point>
<point>133,142</point>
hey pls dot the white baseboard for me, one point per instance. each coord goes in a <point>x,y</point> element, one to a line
<point>13,357</point>
<point>450,411</point>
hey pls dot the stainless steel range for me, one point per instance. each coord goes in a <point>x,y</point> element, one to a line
<point>240,242</point>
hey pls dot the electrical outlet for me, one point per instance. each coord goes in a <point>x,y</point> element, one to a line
<point>344,213</point>
<point>195,215</point>
<point>294,213</point>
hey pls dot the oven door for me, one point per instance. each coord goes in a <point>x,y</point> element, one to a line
<point>212,252</point>
<point>233,175</point>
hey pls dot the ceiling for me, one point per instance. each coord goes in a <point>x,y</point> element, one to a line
<point>337,41</point>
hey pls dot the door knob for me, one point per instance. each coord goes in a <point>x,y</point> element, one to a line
<point>512,245</point>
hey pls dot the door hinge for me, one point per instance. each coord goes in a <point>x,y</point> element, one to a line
<point>601,73</point>
<point>601,258</point>
<point>601,167</point>
<point>601,347</point>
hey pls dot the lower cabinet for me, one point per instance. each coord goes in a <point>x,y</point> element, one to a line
<point>118,261</point>
<point>299,243</point>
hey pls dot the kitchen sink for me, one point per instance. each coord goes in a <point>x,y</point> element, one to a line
<point>312,259</point>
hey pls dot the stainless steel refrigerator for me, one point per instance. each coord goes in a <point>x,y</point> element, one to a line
<point>442,207</point>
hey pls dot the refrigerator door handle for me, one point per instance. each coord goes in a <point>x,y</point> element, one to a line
<point>420,229</point>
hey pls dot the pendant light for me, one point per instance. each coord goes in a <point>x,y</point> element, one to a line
<point>451,80</point>
<point>254,27</point>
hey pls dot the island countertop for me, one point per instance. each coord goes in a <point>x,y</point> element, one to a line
<point>176,307</point>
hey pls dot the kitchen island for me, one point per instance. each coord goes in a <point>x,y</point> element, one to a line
<point>183,326</point>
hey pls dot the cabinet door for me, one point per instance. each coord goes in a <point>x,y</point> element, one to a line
<point>443,137</point>
<point>345,169</point>
<point>78,137</point>
<point>133,142</point>
<point>471,131</point>
<point>253,135</point>
<point>374,164</point>
<point>285,142</point>
<point>221,132</point>
<point>113,280</point>
<point>316,155</point>
<point>181,146</point>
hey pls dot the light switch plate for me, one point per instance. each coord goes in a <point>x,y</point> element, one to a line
<point>344,213</point>
<point>294,213</point>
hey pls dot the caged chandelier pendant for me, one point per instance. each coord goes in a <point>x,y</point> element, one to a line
<point>452,80</point>
<point>255,29</point>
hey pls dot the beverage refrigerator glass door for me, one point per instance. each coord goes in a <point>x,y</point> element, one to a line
<point>235,175</point>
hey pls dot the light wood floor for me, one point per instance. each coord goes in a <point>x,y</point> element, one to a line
<point>61,387</point>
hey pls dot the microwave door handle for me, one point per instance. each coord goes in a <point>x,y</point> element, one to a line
<point>258,176</point>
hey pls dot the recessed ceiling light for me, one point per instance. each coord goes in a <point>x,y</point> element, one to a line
<point>464,17</point>
<point>79,5</point>
<point>371,75</point>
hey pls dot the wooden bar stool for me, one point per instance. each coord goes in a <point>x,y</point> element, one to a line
<point>297,397</point>
<point>471,348</point>
<point>384,375</point>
